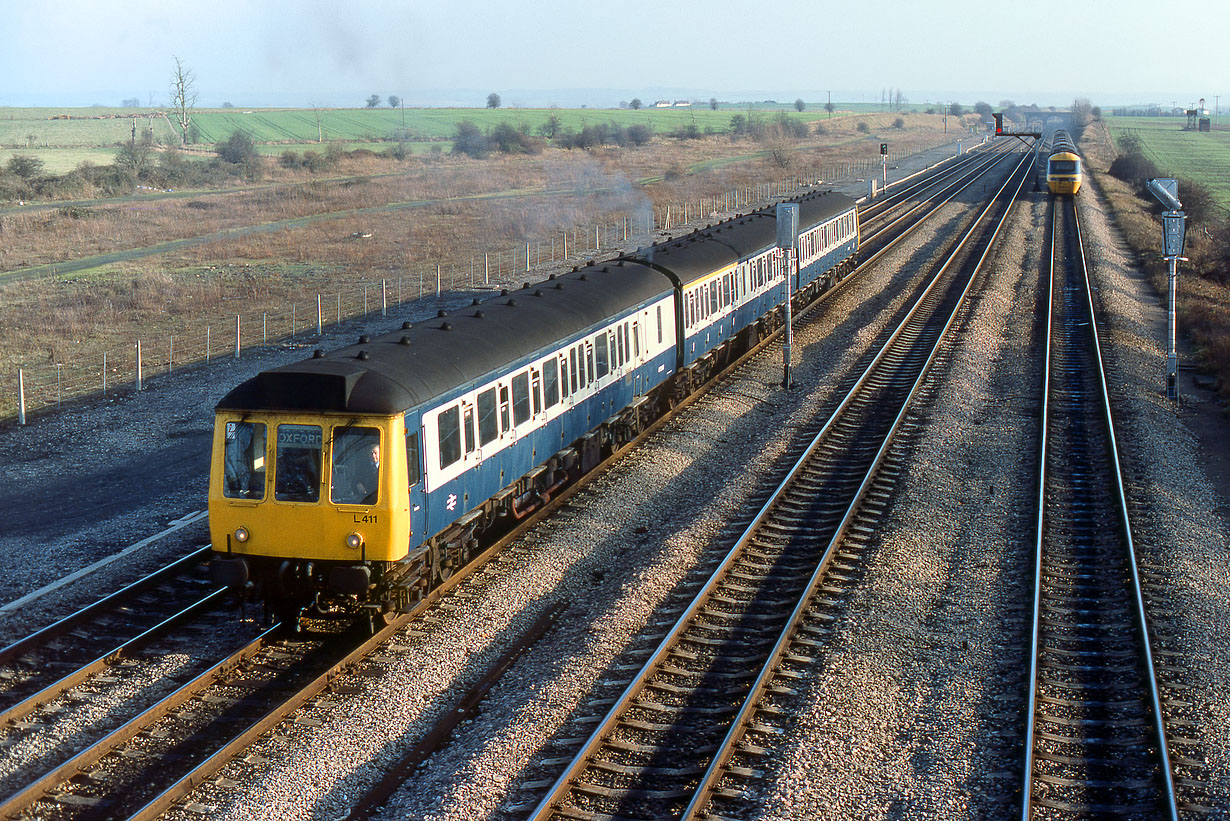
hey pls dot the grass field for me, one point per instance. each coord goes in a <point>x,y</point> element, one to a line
<point>64,138</point>
<point>46,131</point>
<point>1200,156</point>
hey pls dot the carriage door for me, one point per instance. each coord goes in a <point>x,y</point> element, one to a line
<point>414,478</point>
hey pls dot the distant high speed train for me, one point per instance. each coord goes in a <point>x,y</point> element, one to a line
<point>356,481</point>
<point>1063,166</point>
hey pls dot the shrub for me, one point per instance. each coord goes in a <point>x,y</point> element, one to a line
<point>1133,169</point>
<point>471,141</point>
<point>25,166</point>
<point>863,128</point>
<point>238,148</point>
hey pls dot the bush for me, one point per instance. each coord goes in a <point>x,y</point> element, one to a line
<point>238,148</point>
<point>687,132</point>
<point>511,140</point>
<point>1198,202</point>
<point>289,159</point>
<point>24,166</point>
<point>639,134</point>
<point>471,141</point>
<point>1133,169</point>
<point>313,161</point>
<point>899,123</point>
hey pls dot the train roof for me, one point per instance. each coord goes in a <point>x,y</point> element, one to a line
<point>404,369</point>
<point>401,370</point>
<point>704,251</point>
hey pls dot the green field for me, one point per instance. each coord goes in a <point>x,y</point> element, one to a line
<point>65,137</point>
<point>1203,157</point>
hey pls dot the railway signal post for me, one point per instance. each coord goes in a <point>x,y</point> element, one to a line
<point>1174,233</point>
<point>1034,135</point>
<point>788,241</point>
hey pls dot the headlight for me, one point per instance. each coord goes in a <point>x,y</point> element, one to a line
<point>241,534</point>
<point>354,541</point>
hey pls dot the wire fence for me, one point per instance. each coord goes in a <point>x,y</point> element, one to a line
<point>131,367</point>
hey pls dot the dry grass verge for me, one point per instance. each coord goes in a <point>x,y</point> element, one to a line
<point>74,318</point>
<point>1204,281</point>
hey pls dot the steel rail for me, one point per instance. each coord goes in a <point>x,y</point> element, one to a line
<point>124,650</point>
<point>556,791</point>
<point>1139,612</point>
<point>35,790</point>
<point>709,781</point>
<point>30,642</point>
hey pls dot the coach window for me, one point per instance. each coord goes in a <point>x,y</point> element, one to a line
<point>244,461</point>
<point>659,324</point>
<point>504,417</point>
<point>449,424</point>
<point>713,297</point>
<point>536,391</point>
<point>600,355</point>
<point>521,398</point>
<point>298,464</point>
<point>488,427</point>
<point>412,459</point>
<point>627,351</point>
<point>574,364</point>
<point>550,382</point>
<point>589,364</point>
<point>355,477</point>
<point>636,340</point>
<point>468,429</point>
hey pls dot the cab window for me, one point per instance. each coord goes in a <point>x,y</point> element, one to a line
<point>412,459</point>
<point>244,461</point>
<point>355,479</point>
<point>297,470</point>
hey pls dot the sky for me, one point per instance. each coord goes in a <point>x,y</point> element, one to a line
<point>322,52</point>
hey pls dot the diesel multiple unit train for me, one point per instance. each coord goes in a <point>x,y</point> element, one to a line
<point>1063,167</point>
<point>356,481</point>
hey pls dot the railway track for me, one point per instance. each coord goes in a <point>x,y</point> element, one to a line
<point>52,661</point>
<point>1095,740</point>
<point>203,714</point>
<point>699,714</point>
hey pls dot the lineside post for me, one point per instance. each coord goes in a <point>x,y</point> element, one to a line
<point>21,396</point>
<point>1174,235</point>
<point>788,241</point>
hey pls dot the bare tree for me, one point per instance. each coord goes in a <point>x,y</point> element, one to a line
<point>183,96</point>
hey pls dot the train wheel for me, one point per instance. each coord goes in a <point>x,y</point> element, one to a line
<point>377,620</point>
<point>288,613</point>
<point>440,570</point>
